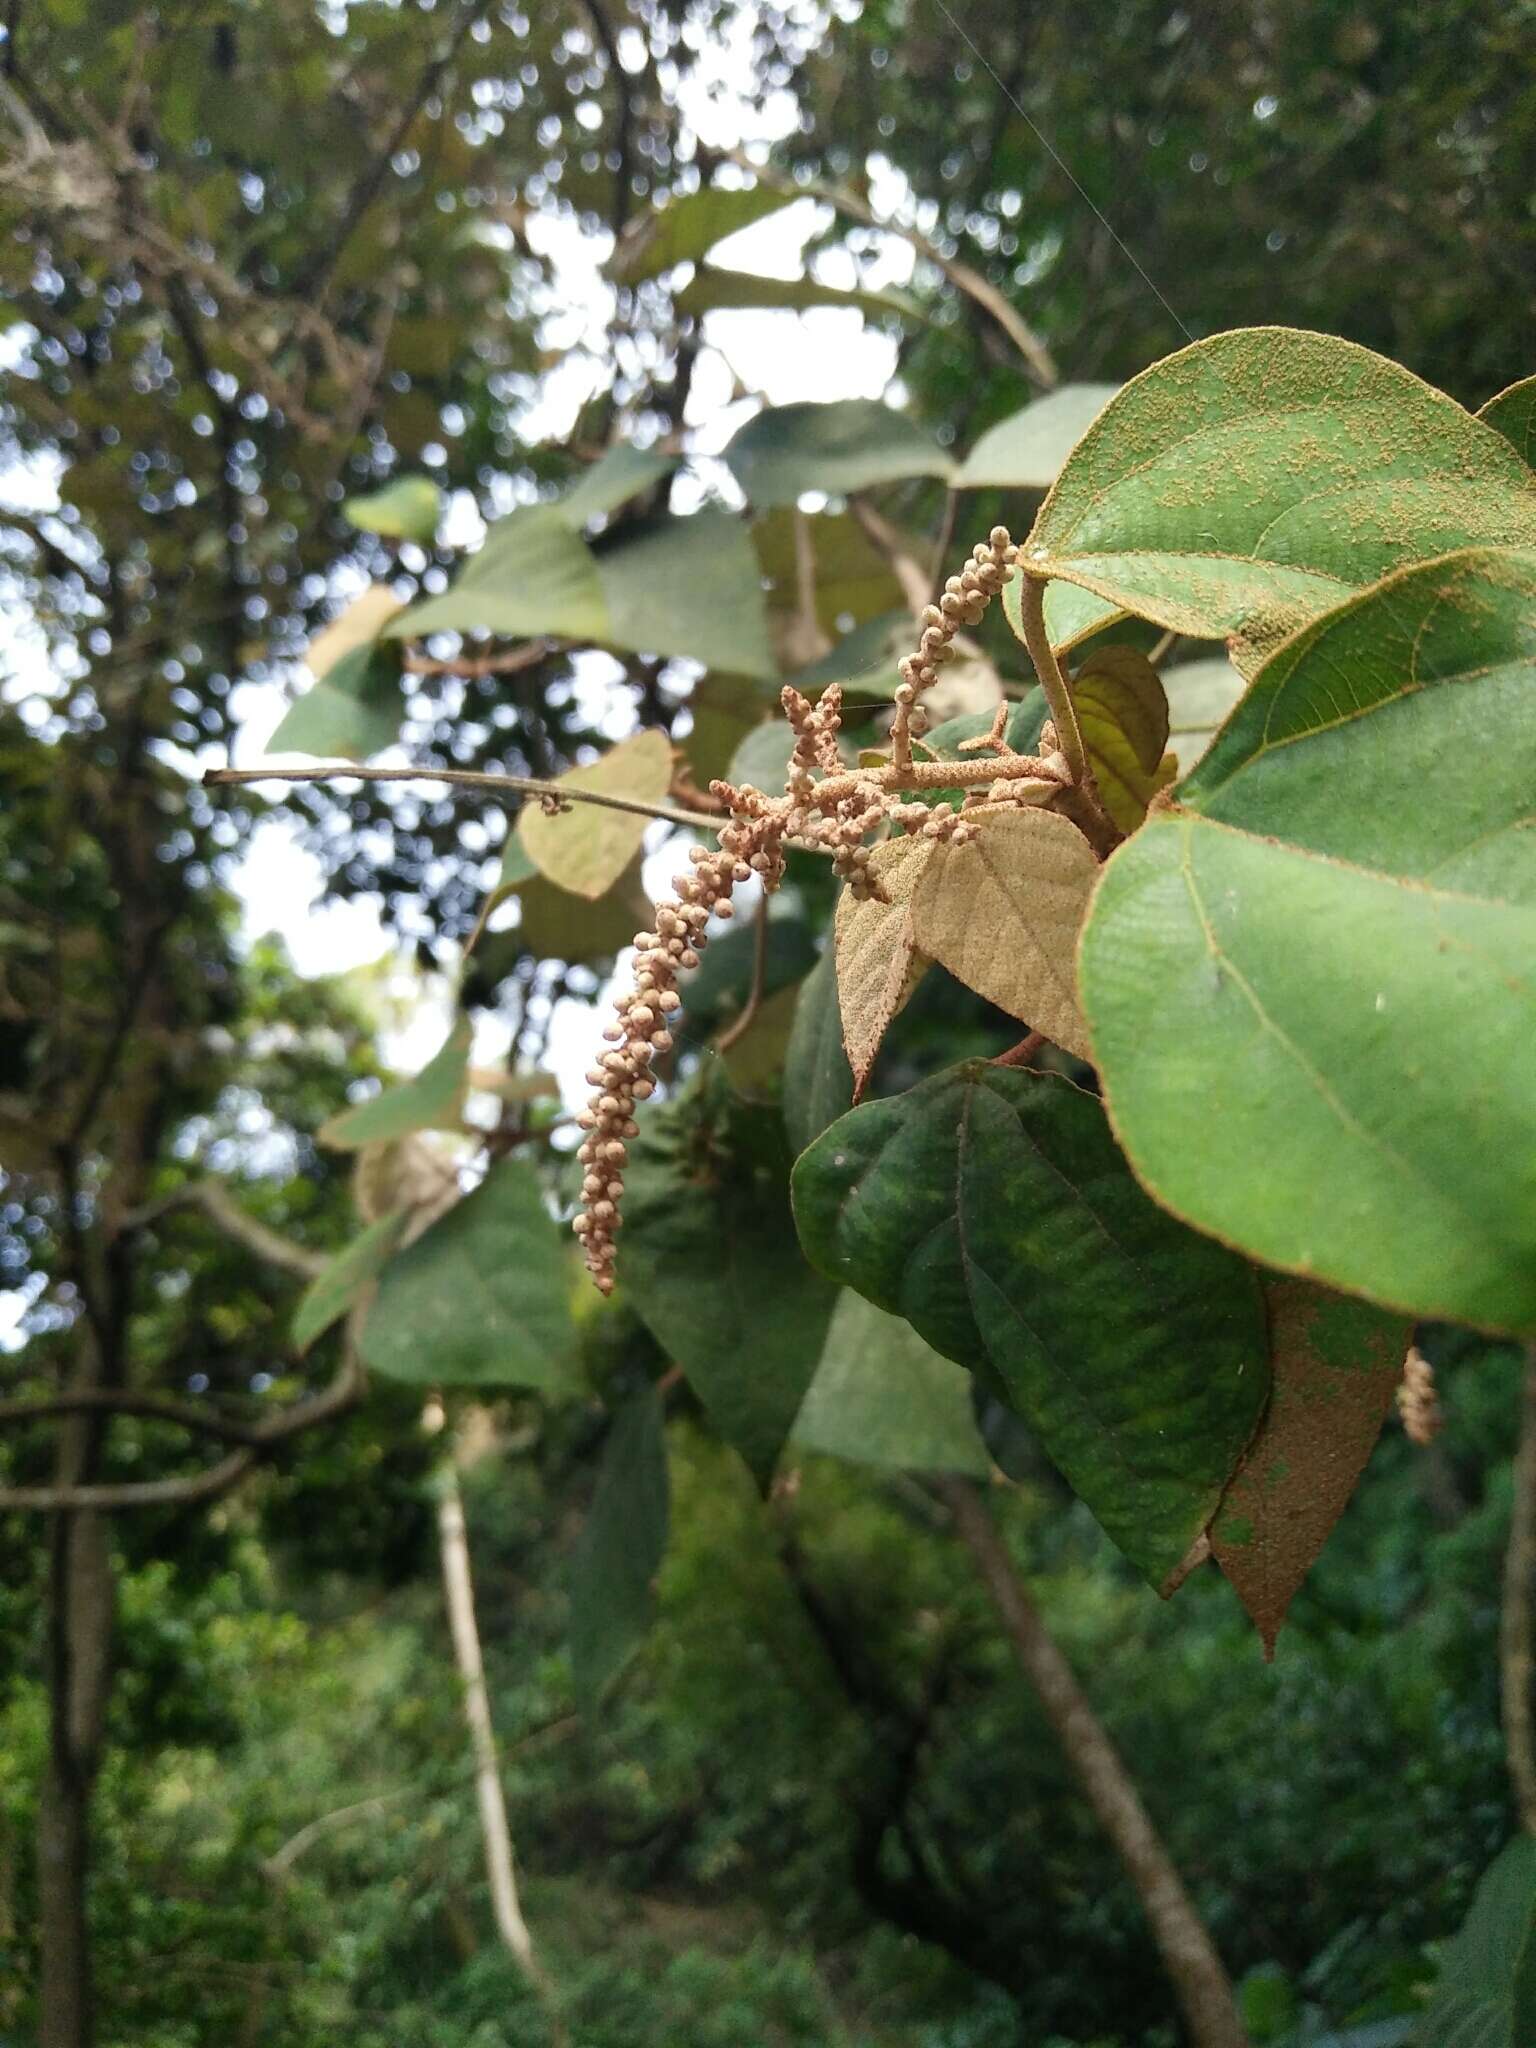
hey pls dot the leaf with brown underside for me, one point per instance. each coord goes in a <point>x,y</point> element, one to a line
<point>1335,1363</point>
<point>1003,912</point>
<point>1123,712</point>
<point>878,962</point>
<point>587,847</point>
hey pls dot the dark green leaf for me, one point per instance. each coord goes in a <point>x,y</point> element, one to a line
<point>689,587</point>
<point>844,446</point>
<point>1486,1997</point>
<point>329,1297</point>
<point>482,1298</point>
<point>881,1396</point>
<point>992,1208</point>
<point>709,1259</point>
<point>818,1081</point>
<point>620,1549</point>
<point>429,1101</point>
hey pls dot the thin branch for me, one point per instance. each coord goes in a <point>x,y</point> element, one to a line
<point>741,1025</point>
<point>1517,1625</point>
<point>470,666</point>
<point>623,196</point>
<point>1200,1982</point>
<point>281,1861</point>
<point>465,778</point>
<point>117,1401</point>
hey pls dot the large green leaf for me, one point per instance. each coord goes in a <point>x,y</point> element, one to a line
<point>620,1549</point>
<point>991,1208</point>
<point>1254,480</point>
<point>327,1298</point>
<point>482,1298</point>
<point>689,587</point>
<point>430,1100</point>
<point>846,445</point>
<point>818,1081</point>
<point>1027,449</point>
<point>352,711</point>
<point>619,474</point>
<point>1287,969</point>
<point>1486,1997</point>
<point>532,574</point>
<point>1513,414</point>
<point>713,290</point>
<point>709,1259</point>
<point>687,228</point>
<point>881,1396</point>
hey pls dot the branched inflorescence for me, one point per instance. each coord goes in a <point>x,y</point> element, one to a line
<point>827,806</point>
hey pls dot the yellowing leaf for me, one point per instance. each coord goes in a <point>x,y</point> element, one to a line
<point>1003,912</point>
<point>586,848</point>
<point>878,964</point>
<point>1123,713</point>
<point>361,621</point>
<point>1335,1362</point>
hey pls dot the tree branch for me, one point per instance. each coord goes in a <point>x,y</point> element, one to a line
<point>1517,1621</point>
<point>1200,1982</point>
<point>214,1199</point>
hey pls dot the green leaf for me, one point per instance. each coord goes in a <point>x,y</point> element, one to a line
<point>718,988</point>
<point>430,1101</point>
<point>1486,1996</point>
<point>1287,969</point>
<point>1027,449</point>
<point>687,228</point>
<point>713,290</point>
<point>1258,478</point>
<point>689,587</point>
<point>586,847</point>
<point>482,1298</point>
<point>991,1208</point>
<point>620,1548</point>
<point>818,1081</point>
<point>710,1261</point>
<point>1513,414</point>
<point>328,1298</point>
<point>881,1396</point>
<point>1335,1365</point>
<point>555,925</point>
<point>407,509</point>
<point>846,445</point>
<point>352,711</point>
<point>532,574</point>
<point>619,474</point>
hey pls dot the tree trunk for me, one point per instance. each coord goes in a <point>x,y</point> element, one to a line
<point>1200,1982</point>
<point>81,1598</point>
<point>1517,1627</point>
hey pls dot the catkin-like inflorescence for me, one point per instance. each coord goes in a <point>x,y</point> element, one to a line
<point>1418,1399</point>
<point>824,805</point>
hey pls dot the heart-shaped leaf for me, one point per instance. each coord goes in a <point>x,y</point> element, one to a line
<point>878,962</point>
<point>352,711</point>
<point>1026,450</point>
<point>992,1209</point>
<point>1256,479</point>
<point>1287,969</point>
<point>1123,713</point>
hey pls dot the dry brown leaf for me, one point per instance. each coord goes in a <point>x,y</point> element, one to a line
<point>1336,1363</point>
<point>585,849</point>
<point>1003,912</point>
<point>362,621</point>
<point>878,964</point>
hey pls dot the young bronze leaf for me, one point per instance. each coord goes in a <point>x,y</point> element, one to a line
<point>586,847</point>
<point>1123,712</point>
<point>878,963</point>
<point>1003,911</point>
<point>1334,1362</point>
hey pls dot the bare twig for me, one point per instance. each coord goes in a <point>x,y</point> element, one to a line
<point>214,1199</point>
<point>508,663</point>
<point>463,778</point>
<point>281,1861</point>
<point>1189,1955</point>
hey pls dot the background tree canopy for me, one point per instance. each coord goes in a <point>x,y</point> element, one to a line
<point>408,344</point>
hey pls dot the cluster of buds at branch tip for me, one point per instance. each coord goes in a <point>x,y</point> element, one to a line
<point>825,805</point>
